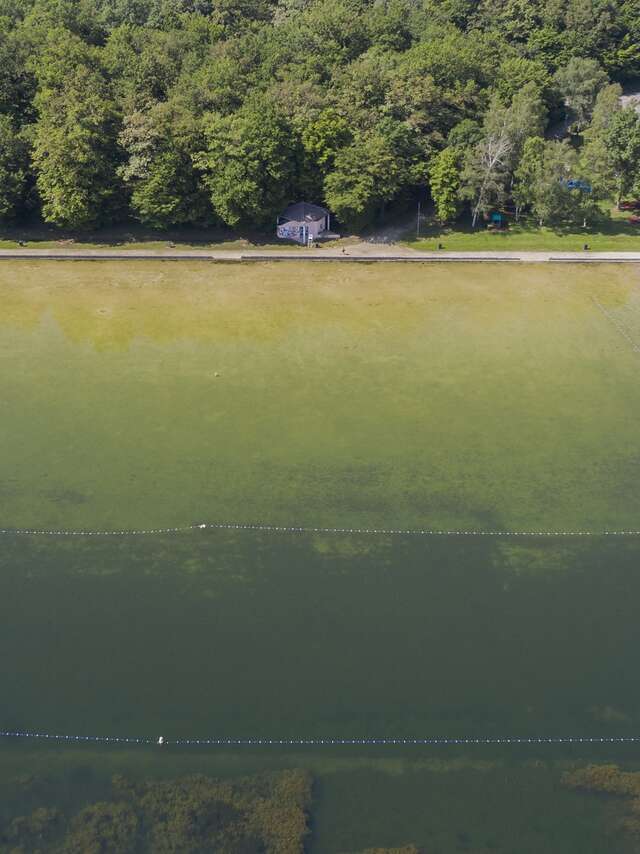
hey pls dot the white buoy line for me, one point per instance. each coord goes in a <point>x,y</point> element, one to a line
<point>302,742</point>
<point>302,529</point>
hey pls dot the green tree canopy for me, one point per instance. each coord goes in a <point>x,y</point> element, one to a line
<point>444,180</point>
<point>579,83</point>
<point>489,165</point>
<point>246,163</point>
<point>622,142</point>
<point>14,165</point>
<point>165,186</point>
<point>75,155</point>
<point>543,182</point>
<point>370,172</point>
<point>176,111</point>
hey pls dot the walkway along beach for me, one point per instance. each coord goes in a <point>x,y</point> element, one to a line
<point>359,253</point>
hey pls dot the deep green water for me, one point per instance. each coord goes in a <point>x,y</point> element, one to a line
<point>494,398</point>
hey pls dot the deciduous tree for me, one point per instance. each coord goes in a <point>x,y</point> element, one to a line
<point>165,186</point>
<point>529,173</point>
<point>444,180</point>
<point>75,153</point>
<point>579,83</point>
<point>13,169</point>
<point>595,156</point>
<point>246,163</point>
<point>623,147</point>
<point>486,173</point>
<point>370,172</point>
<point>551,197</point>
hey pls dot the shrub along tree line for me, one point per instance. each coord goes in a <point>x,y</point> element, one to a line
<point>223,111</point>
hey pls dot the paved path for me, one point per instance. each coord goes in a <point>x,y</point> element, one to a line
<point>360,252</point>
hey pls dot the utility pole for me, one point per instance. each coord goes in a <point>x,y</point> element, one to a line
<point>418,221</point>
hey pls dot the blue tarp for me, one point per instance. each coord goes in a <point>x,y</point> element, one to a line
<point>577,184</point>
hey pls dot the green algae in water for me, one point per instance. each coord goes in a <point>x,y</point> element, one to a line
<point>412,396</point>
<point>442,806</point>
<point>391,395</point>
<point>266,813</point>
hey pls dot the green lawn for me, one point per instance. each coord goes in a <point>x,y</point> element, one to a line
<point>615,234</point>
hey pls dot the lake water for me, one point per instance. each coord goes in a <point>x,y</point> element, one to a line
<point>490,398</point>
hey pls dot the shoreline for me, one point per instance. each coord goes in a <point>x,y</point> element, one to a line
<point>373,254</point>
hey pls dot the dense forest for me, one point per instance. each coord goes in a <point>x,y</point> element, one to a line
<point>222,111</point>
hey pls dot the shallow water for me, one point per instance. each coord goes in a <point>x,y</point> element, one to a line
<point>249,635</point>
<point>430,396</point>
<point>390,395</point>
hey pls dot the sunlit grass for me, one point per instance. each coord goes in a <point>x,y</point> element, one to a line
<point>614,234</point>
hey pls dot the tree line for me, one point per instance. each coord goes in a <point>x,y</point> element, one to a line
<point>223,111</point>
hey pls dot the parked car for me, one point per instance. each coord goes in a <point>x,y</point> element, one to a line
<point>634,220</point>
<point>630,206</point>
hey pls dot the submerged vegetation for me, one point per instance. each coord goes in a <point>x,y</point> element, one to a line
<point>361,398</point>
<point>265,814</point>
<point>406,849</point>
<point>611,780</point>
<point>208,112</point>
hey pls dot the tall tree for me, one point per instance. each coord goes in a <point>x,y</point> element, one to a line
<point>323,136</point>
<point>528,173</point>
<point>246,163</point>
<point>165,186</point>
<point>595,156</point>
<point>527,116</point>
<point>444,180</point>
<point>515,72</point>
<point>486,173</point>
<point>75,153</point>
<point>13,169</point>
<point>371,171</point>
<point>579,83</point>
<point>550,194</point>
<point>17,82</point>
<point>623,147</point>
<point>611,154</point>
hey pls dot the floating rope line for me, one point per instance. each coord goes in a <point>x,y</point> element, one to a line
<point>618,326</point>
<point>301,529</point>
<point>301,742</point>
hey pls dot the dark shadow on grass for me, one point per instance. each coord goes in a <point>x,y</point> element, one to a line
<point>135,233</point>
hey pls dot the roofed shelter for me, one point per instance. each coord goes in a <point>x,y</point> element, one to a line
<point>303,222</point>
